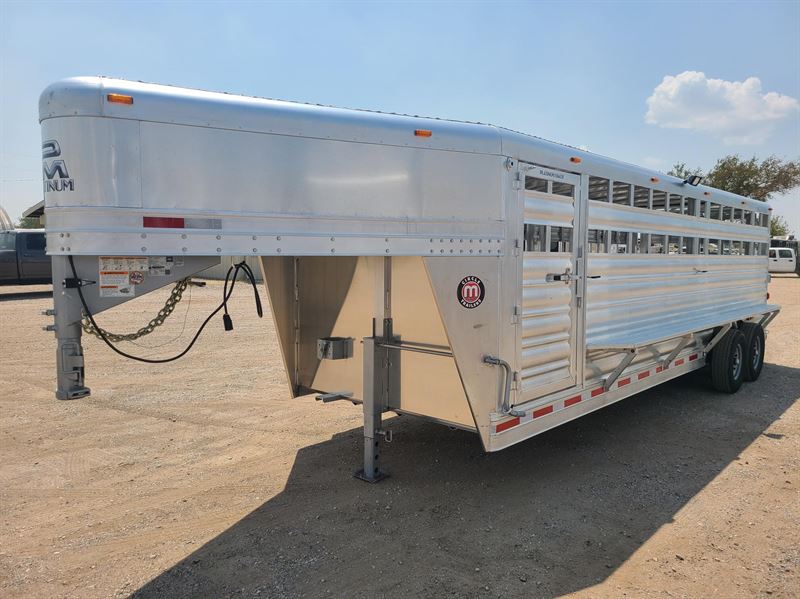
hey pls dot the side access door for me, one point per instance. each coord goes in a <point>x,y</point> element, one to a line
<point>551,279</point>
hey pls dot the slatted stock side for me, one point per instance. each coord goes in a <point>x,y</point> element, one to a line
<point>645,294</point>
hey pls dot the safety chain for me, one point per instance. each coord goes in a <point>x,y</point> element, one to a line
<point>172,301</point>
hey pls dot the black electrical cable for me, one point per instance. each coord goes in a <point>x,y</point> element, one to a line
<point>225,296</point>
<point>226,318</point>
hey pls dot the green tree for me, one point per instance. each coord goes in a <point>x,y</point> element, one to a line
<point>751,178</point>
<point>778,227</point>
<point>28,222</point>
<point>682,171</point>
<point>754,179</point>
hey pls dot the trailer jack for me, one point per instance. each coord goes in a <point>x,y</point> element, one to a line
<point>379,363</point>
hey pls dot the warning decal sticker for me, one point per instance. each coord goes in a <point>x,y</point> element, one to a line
<point>161,266</point>
<point>471,292</point>
<point>123,263</point>
<point>119,275</point>
<point>116,283</point>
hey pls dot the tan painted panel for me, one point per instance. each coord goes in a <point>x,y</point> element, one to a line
<point>429,385</point>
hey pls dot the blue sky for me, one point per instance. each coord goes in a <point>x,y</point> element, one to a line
<point>579,73</point>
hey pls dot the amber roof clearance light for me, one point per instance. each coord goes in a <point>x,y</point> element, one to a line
<point>119,99</point>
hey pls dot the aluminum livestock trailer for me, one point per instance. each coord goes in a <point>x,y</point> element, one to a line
<point>462,272</point>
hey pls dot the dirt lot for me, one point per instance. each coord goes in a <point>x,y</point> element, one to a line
<point>203,479</point>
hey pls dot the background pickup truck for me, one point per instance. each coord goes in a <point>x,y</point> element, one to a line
<point>22,257</point>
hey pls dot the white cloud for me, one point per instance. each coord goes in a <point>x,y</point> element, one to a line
<point>737,111</point>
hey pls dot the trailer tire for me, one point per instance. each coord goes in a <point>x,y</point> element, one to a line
<point>728,362</point>
<point>753,350</point>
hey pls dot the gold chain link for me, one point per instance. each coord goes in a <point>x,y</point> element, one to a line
<point>174,297</point>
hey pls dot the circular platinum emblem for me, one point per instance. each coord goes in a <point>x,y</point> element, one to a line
<point>471,292</point>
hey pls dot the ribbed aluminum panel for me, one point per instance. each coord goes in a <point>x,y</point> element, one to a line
<point>546,324</point>
<point>651,293</point>
<point>549,209</point>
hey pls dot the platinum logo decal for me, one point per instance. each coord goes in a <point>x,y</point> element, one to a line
<point>56,176</point>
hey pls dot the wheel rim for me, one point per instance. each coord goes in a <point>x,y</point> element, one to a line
<point>736,366</point>
<point>756,351</point>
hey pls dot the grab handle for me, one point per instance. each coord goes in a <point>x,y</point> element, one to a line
<point>498,362</point>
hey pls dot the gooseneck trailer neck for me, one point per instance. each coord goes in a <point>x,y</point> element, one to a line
<point>462,272</point>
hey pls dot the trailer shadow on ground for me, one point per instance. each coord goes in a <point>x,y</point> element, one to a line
<point>550,516</point>
<point>8,296</point>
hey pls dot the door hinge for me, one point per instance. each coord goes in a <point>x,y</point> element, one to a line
<point>516,314</point>
<point>515,250</point>
<point>516,185</point>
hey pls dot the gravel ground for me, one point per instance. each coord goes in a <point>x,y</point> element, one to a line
<point>203,479</point>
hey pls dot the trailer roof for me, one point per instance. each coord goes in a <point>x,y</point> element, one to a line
<point>87,96</point>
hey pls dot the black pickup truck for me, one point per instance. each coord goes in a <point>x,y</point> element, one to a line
<point>22,257</point>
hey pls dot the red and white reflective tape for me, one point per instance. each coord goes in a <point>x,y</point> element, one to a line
<point>585,396</point>
<point>172,222</point>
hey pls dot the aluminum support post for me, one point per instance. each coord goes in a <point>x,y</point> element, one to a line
<point>683,342</point>
<point>629,356</point>
<point>374,404</point>
<point>67,327</point>
<point>377,370</point>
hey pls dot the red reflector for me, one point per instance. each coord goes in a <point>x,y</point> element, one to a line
<point>623,382</point>
<point>644,375</point>
<point>572,401</point>
<point>692,357</point>
<point>597,391</point>
<point>659,369</point>
<point>506,425</point>
<point>678,362</point>
<point>162,222</point>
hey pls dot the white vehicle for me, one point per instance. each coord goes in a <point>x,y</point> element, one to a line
<point>479,277</point>
<point>782,260</point>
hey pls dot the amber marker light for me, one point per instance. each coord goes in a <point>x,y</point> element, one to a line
<point>653,179</point>
<point>119,99</point>
<point>423,132</point>
<point>575,160</point>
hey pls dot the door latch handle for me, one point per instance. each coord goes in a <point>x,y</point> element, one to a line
<point>566,277</point>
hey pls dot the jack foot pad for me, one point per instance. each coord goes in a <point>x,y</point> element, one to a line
<point>74,394</point>
<point>379,476</point>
